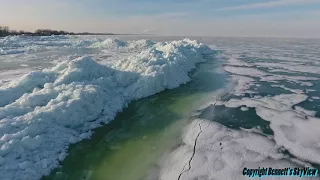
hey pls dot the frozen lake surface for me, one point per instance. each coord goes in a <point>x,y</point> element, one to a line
<point>208,109</point>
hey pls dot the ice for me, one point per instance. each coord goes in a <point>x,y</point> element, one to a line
<point>9,75</point>
<point>16,45</point>
<point>278,64</point>
<point>222,153</point>
<point>239,75</point>
<point>140,44</point>
<point>310,90</point>
<point>289,78</point>
<point>264,76</point>
<point>123,46</point>
<point>271,62</point>
<point>297,91</point>
<point>233,61</point>
<point>292,67</point>
<point>243,108</point>
<point>295,129</point>
<point>301,80</point>
<point>305,111</point>
<point>109,43</point>
<point>243,83</point>
<point>25,84</point>
<point>44,111</point>
<point>245,71</point>
<point>280,102</point>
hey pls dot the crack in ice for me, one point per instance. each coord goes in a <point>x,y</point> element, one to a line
<point>195,145</point>
<point>193,153</point>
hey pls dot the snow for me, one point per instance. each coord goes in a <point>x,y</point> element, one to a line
<point>297,91</point>
<point>243,83</point>
<point>295,67</point>
<point>233,61</point>
<point>263,76</point>
<point>301,80</point>
<point>222,153</point>
<point>9,75</point>
<point>305,111</point>
<point>123,46</point>
<point>288,78</point>
<point>245,71</point>
<point>43,112</point>
<point>243,108</point>
<point>109,43</point>
<point>295,129</point>
<point>310,90</point>
<point>13,45</point>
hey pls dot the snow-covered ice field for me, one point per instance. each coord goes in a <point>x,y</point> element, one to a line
<point>270,118</point>
<point>55,91</point>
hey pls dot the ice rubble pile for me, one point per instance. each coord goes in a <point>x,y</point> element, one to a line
<point>124,46</point>
<point>43,112</point>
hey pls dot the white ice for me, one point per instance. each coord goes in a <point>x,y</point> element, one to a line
<point>234,61</point>
<point>9,75</point>
<point>243,83</point>
<point>243,108</point>
<point>295,129</point>
<point>222,153</point>
<point>290,67</point>
<point>43,112</point>
<point>245,71</point>
<point>297,91</point>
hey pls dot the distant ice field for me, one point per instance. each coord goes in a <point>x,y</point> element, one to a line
<point>54,91</point>
<point>20,54</point>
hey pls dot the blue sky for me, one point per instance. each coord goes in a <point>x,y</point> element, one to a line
<point>277,18</point>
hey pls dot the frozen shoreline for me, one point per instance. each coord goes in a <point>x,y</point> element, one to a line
<point>45,111</point>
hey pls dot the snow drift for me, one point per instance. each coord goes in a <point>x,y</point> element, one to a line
<point>43,112</point>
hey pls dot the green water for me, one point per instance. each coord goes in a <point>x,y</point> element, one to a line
<point>130,147</point>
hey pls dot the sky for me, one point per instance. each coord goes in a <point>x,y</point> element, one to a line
<point>240,18</point>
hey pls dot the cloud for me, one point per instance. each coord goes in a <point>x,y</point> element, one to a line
<point>270,4</point>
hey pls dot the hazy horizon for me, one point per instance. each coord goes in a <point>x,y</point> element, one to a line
<point>215,18</point>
